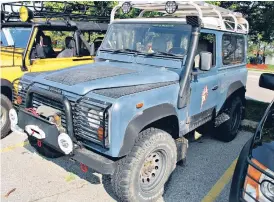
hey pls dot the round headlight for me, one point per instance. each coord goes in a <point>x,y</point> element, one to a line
<point>171,7</point>
<point>267,188</point>
<point>65,143</point>
<point>13,117</point>
<point>126,7</point>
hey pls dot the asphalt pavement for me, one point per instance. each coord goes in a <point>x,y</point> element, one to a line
<point>254,91</point>
<point>34,178</point>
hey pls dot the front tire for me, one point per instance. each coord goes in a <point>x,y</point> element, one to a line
<point>229,129</point>
<point>5,121</point>
<point>141,175</point>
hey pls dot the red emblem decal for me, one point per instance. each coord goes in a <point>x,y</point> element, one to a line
<point>204,96</point>
<point>39,143</point>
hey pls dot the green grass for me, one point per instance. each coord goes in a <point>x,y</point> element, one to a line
<point>255,110</point>
<point>270,68</point>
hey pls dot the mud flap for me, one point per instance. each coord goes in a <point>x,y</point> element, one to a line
<point>182,146</point>
<point>220,119</point>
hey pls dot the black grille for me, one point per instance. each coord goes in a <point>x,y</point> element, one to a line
<point>22,92</point>
<point>90,114</point>
<point>39,100</point>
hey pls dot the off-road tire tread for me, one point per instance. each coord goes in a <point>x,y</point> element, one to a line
<point>144,140</point>
<point>6,103</point>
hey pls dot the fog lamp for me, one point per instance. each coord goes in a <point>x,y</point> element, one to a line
<point>126,7</point>
<point>25,14</point>
<point>65,143</point>
<point>13,117</point>
<point>171,7</point>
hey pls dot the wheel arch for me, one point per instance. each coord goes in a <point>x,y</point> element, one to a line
<point>6,88</point>
<point>151,117</point>
<point>235,89</point>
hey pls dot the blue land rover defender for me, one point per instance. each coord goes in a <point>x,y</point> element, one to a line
<point>154,81</point>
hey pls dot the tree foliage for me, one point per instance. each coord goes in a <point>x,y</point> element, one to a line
<point>260,15</point>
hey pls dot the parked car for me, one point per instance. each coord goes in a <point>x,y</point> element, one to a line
<point>43,44</point>
<point>253,178</point>
<point>127,114</point>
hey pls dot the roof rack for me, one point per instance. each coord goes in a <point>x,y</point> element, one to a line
<point>71,11</point>
<point>213,17</point>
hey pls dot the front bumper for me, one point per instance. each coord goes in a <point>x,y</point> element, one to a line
<point>80,154</point>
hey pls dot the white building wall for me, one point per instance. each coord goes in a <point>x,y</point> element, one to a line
<point>269,60</point>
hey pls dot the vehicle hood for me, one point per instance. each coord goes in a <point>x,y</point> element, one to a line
<point>264,153</point>
<point>11,56</point>
<point>101,75</point>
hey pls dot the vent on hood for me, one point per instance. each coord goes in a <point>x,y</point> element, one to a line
<point>81,75</point>
<point>127,90</point>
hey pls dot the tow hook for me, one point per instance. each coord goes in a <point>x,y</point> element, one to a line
<point>39,143</point>
<point>83,167</point>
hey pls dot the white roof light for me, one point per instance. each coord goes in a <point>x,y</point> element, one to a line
<point>171,7</point>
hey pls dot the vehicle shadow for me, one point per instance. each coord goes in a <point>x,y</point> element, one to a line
<point>74,167</point>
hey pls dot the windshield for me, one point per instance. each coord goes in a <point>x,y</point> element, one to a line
<point>17,36</point>
<point>148,38</point>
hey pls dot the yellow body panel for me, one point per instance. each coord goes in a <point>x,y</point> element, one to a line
<point>11,63</point>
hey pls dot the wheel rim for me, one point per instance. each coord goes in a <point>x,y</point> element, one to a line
<point>152,171</point>
<point>235,118</point>
<point>3,118</point>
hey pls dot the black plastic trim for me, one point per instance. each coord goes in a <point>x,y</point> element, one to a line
<point>95,161</point>
<point>139,122</point>
<point>6,83</point>
<point>233,87</point>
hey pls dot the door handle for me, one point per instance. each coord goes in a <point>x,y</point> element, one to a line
<point>215,87</point>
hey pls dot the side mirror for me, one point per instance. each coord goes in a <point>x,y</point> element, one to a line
<point>267,81</point>
<point>92,49</point>
<point>206,61</point>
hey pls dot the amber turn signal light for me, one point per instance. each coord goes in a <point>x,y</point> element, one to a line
<point>19,100</point>
<point>100,133</point>
<point>139,105</point>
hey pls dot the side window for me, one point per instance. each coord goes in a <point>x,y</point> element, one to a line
<point>233,49</point>
<point>207,43</point>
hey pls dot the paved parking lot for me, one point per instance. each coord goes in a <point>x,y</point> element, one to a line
<point>205,177</point>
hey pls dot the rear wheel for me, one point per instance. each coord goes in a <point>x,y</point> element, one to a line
<point>43,149</point>
<point>4,113</point>
<point>229,129</point>
<point>141,175</point>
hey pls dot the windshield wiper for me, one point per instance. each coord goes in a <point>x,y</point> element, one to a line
<point>158,53</point>
<point>123,50</point>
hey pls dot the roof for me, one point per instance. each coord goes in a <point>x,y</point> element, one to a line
<point>82,26</point>
<point>212,17</point>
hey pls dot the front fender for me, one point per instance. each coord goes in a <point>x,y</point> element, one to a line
<point>139,122</point>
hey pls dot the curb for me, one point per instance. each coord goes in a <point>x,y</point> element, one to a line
<point>249,123</point>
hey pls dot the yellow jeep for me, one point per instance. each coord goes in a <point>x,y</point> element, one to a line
<point>34,46</point>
